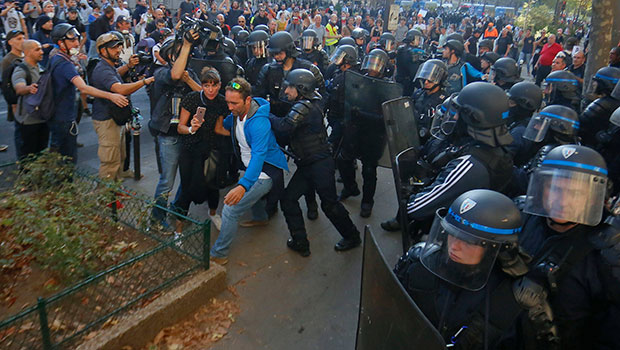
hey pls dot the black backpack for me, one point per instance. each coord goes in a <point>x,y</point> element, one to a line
<point>41,105</point>
<point>7,85</point>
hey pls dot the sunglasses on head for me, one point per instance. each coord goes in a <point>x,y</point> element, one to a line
<point>234,85</point>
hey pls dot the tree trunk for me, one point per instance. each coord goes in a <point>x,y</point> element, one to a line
<point>615,34</point>
<point>600,39</point>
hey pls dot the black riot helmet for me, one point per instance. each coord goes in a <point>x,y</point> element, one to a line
<point>242,38</point>
<point>467,237</point>
<point>483,107</point>
<point>456,36</point>
<point>257,44</point>
<point>374,63</point>
<point>485,44</point>
<point>347,40</point>
<point>456,46</point>
<point>605,80</point>
<point>229,47</point>
<point>387,41</point>
<point>309,39</point>
<point>282,42</point>
<point>506,70</point>
<point>433,70</point>
<point>304,81</point>
<point>562,121</point>
<point>262,27</point>
<point>64,31</point>
<point>561,83</point>
<point>234,30</point>
<point>414,36</point>
<point>525,95</point>
<point>443,112</point>
<point>359,33</point>
<point>569,185</point>
<point>490,57</point>
<point>170,50</point>
<point>344,54</point>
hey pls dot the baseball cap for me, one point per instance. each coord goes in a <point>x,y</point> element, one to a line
<point>121,19</point>
<point>13,33</point>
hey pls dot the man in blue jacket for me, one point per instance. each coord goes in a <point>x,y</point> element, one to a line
<point>263,162</point>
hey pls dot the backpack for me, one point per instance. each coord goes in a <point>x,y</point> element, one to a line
<point>42,105</point>
<point>7,85</point>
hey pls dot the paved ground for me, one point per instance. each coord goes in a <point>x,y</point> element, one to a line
<point>286,301</point>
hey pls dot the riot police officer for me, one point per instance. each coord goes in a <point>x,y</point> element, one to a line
<point>595,117</point>
<point>574,247</point>
<point>452,52</point>
<point>344,58</point>
<point>364,137</point>
<point>505,73</point>
<point>257,51</point>
<point>561,88</point>
<point>451,276</point>
<point>387,43</point>
<point>478,123</point>
<point>409,57</point>
<point>524,98</point>
<point>270,78</point>
<point>241,42</point>
<point>487,60</point>
<point>361,40</point>
<point>332,68</point>
<point>315,164</point>
<point>311,52</point>
<point>431,78</point>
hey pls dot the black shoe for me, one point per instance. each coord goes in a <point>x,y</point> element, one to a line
<point>303,248</point>
<point>313,211</point>
<point>391,225</point>
<point>347,244</point>
<point>348,193</point>
<point>366,210</point>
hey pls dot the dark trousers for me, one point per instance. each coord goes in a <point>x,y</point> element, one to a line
<point>541,73</point>
<point>320,176</point>
<point>30,139</point>
<point>193,185</point>
<point>360,141</point>
<point>63,138</point>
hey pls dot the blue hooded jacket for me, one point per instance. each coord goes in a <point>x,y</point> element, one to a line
<point>263,145</point>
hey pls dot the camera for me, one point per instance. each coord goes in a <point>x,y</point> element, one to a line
<point>208,32</point>
<point>145,58</point>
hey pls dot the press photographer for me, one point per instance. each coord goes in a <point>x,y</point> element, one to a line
<point>109,120</point>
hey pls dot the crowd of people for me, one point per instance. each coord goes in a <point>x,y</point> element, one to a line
<point>511,215</point>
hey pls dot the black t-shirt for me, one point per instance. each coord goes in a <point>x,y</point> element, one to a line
<point>233,17</point>
<point>528,44</point>
<point>205,136</point>
<point>473,45</point>
<point>502,44</point>
<point>186,8</point>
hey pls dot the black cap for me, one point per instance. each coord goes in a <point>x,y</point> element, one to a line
<point>121,19</point>
<point>13,33</point>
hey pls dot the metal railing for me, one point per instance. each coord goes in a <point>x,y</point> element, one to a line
<point>76,313</point>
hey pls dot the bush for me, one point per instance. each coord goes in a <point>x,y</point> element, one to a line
<point>536,17</point>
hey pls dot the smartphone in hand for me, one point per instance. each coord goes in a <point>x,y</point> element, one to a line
<point>200,114</point>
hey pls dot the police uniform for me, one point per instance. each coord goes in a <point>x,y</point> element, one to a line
<point>318,57</point>
<point>408,60</point>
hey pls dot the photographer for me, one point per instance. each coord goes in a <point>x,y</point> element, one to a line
<point>13,19</point>
<point>172,82</point>
<point>106,119</point>
<point>199,141</point>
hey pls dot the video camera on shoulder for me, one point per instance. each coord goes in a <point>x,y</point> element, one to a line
<point>210,34</point>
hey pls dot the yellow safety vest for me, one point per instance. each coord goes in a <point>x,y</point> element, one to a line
<point>333,31</point>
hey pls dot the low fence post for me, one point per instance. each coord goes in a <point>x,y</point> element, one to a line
<point>206,242</point>
<point>45,330</point>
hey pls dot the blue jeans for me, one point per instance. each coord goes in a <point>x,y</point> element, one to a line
<point>63,138</point>
<point>169,151</point>
<point>252,199</point>
<point>526,58</point>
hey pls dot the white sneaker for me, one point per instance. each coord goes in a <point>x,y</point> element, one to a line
<point>177,235</point>
<point>217,221</point>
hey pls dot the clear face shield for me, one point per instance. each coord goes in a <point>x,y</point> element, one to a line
<point>492,75</point>
<point>567,195</point>
<point>433,73</point>
<point>456,256</point>
<point>539,125</point>
<point>373,64</point>
<point>444,122</point>
<point>390,45</point>
<point>418,41</point>
<point>338,57</point>
<point>307,42</point>
<point>258,49</point>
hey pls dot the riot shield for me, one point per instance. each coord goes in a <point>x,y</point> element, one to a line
<point>400,125</point>
<point>388,317</point>
<point>227,69</point>
<point>366,94</point>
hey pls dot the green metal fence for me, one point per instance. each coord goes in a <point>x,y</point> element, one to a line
<point>76,313</point>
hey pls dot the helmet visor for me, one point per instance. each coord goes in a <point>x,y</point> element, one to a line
<point>537,128</point>
<point>430,72</point>
<point>72,34</point>
<point>258,49</point>
<point>457,256</point>
<point>373,63</point>
<point>338,56</point>
<point>615,117</point>
<point>307,42</point>
<point>389,45</point>
<point>567,195</point>
<point>436,123</point>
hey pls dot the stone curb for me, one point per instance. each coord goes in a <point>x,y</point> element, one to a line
<point>141,327</point>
